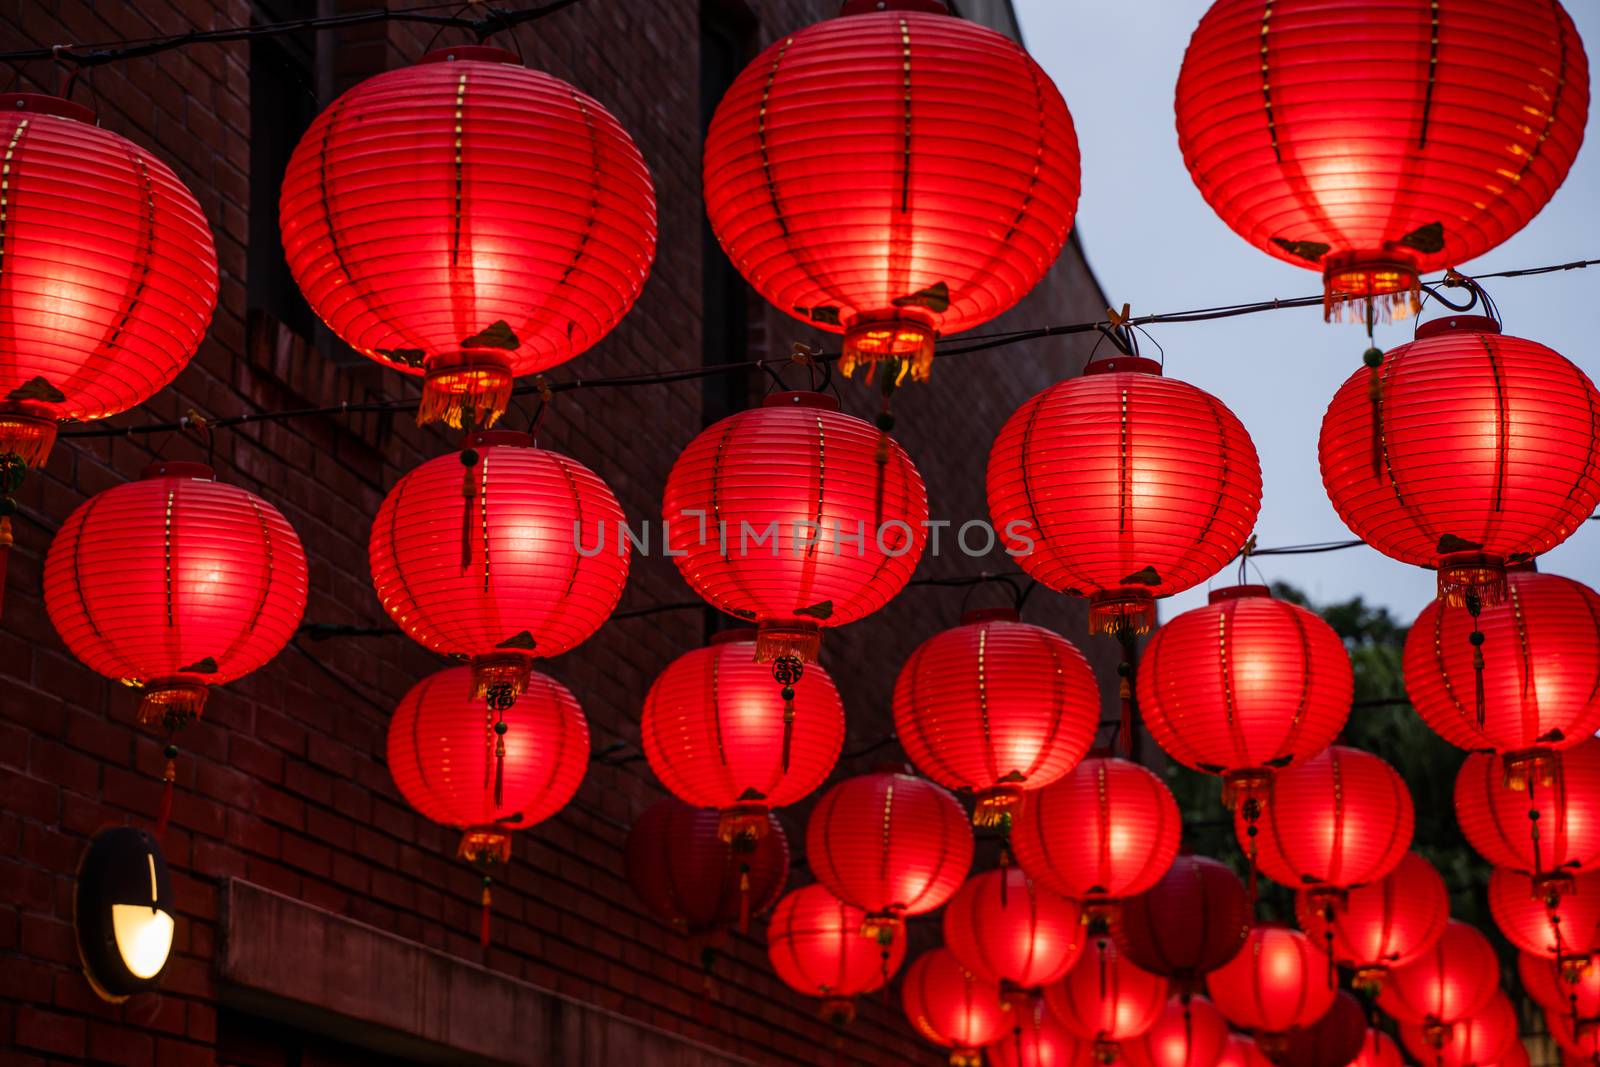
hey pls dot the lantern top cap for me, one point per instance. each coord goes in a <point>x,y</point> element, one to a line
<point>867,7</point>
<point>1239,592</point>
<point>1457,324</point>
<point>990,615</point>
<point>801,398</point>
<point>733,636</point>
<point>512,438</point>
<point>46,104</point>
<point>171,468</point>
<point>481,53</point>
<point>1123,365</point>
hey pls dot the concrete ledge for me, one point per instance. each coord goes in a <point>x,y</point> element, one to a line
<point>288,961</point>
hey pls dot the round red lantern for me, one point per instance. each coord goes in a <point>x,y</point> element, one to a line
<point>1123,486</point>
<point>1538,919</point>
<point>1381,925</point>
<point>686,875</point>
<point>485,556</point>
<point>1341,819</point>
<point>890,843</point>
<point>1464,451</point>
<point>1243,686</point>
<point>110,275</point>
<point>1279,981</point>
<point>1560,988</point>
<point>1376,147</point>
<point>1106,998</point>
<point>814,942</point>
<point>951,1006</point>
<point>1452,981</point>
<point>1191,1032</point>
<point>1242,1051</point>
<point>996,706</point>
<point>1006,929</point>
<point>174,583</point>
<point>719,735</point>
<point>1378,1050</point>
<point>830,181</point>
<point>1579,1039</point>
<point>1483,1038</point>
<point>1037,1039</point>
<point>1188,924</point>
<point>1332,1041</point>
<point>1562,803</point>
<point>1108,830</point>
<point>468,220</point>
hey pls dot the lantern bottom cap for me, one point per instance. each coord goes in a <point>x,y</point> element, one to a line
<point>1245,783</point>
<point>788,639</point>
<point>882,926</point>
<point>1370,286</point>
<point>172,702</point>
<point>839,1011</point>
<point>871,340</point>
<point>1121,611</point>
<point>26,435</point>
<point>1535,766</point>
<point>487,844</point>
<point>743,824</point>
<point>1370,979</point>
<point>997,805</point>
<point>500,677</point>
<point>470,391</point>
<point>1464,573</point>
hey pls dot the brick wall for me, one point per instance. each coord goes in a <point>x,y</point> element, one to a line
<point>284,783</point>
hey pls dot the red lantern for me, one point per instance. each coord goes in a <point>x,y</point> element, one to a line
<point>686,875</point>
<point>175,583</point>
<point>1108,830</point>
<point>1106,998</point>
<point>718,734</point>
<point>1341,819</point>
<point>1463,451</point>
<point>1579,1039</point>
<point>468,220</point>
<point>1452,981</point>
<point>1037,1039</point>
<point>1332,1041</point>
<point>1559,988</point>
<point>1483,1038</point>
<point>1382,925</point>
<point>1242,1051</point>
<point>891,844</point>
<point>951,1006</point>
<point>996,706</point>
<point>1188,924</point>
<point>830,181</point>
<point>1243,686</point>
<point>1498,818</point>
<point>814,942</point>
<point>1123,486</point>
<point>484,556</point>
<point>1537,919</point>
<point>1378,1050</point>
<point>1005,929</point>
<point>1189,1033</point>
<point>1378,146</point>
<point>1278,982</point>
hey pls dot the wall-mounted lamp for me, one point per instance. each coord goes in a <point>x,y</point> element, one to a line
<point>122,910</point>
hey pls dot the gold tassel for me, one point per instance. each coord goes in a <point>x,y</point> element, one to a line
<point>474,393</point>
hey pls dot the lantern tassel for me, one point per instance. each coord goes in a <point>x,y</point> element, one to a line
<point>1252,812</point>
<point>500,771</point>
<point>487,908</point>
<point>787,672</point>
<point>1005,859</point>
<point>1125,725</point>
<point>880,455</point>
<point>1373,358</point>
<point>744,898</point>
<point>1474,605</point>
<point>469,492</point>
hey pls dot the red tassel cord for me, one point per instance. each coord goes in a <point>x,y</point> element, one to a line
<point>500,764</point>
<point>744,898</point>
<point>168,776</point>
<point>787,672</point>
<point>1252,812</point>
<point>1005,858</point>
<point>488,902</point>
<point>885,424</point>
<point>1373,358</point>
<point>469,493</point>
<point>1125,670</point>
<point>1475,608</point>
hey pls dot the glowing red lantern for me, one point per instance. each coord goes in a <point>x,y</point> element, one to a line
<point>1123,486</point>
<point>484,556</point>
<point>1538,919</point>
<point>1106,998</point>
<point>859,242</point>
<point>1332,1041</point>
<point>1109,829</point>
<point>996,706</point>
<point>719,735</point>
<point>951,1006</point>
<point>1242,1051</point>
<point>1381,925</point>
<point>1579,1039</point>
<point>1243,686</point>
<point>1037,1039</point>
<point>686,875</point>
<point>1378,1050</point>
<point>1376,150</point>
<point>1499,819</point>
<point>468,220</point>
<point>1559,987</point>
<point>1006,929</point>
<point>1277,982</point>
<point>1191,1032</point>
<point>1452,981</point>
<point>814,942</point>
<point>1341,819</point>
<point>1188,924</point>
<point>1482,1039</point>
<point>892,844</point>
<point>1463,451</point>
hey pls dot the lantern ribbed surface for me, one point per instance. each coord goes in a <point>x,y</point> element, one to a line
<point>841,179</point>
<point>1025,936</point>
<point>1342,818</point>
<point>951,1006</point>
<point>996,706</point>
<point>1554,921</point>
<point>1478,453</point>
<point>442,752</point>
<point>1483,1039</point>
<point>1378,1050</point>
<point>1109,829</point>
<point>468,219</point>
<point>484,562</point>
<point>814,942</point>
<point>1386,923</point>
<point>1191,922</point>
<point>1245,684</point>
<point>1555,988</point>
<point>1541,667</point>
<point>686,875</point>
<point>783,517</point>
<point>1277,982</point>
<point>110,272</point>
<point>175,582</point>
<point>1122,486</point>
<point>1191,1032</point>
<point>1332,1041</point>
<point>1037,1039</point>
<point>1376,141</point>
<point>892,844</point>
<point>1106,997</point>
<point>713,729</point>
<point>1242,1051</point>
<point>1494,816</point>
<point>1453,980</point>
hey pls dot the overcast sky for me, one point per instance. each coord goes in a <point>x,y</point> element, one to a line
<point>1154,243</point>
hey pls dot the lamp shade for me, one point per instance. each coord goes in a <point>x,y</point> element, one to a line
<point>468,220</point>
<point>1123,486</point>
<point>686,875</point>
<point>1279,981</point>
<point>814,942</point>
<point>1192,921</point>
<point>1483,1039</point>
<point>1452,981</point>
<point>1106,998</point>
<point>839,174</point>
<point>1004,928</point>
<point>1495,815</point>
<point>1191,1032</point>
<point>996,706</point>
<point>951,1006</point>
<point>122,911</point>
<point>1381,925</point>
<point>1334,1040</point>
<point>1555,920</point>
